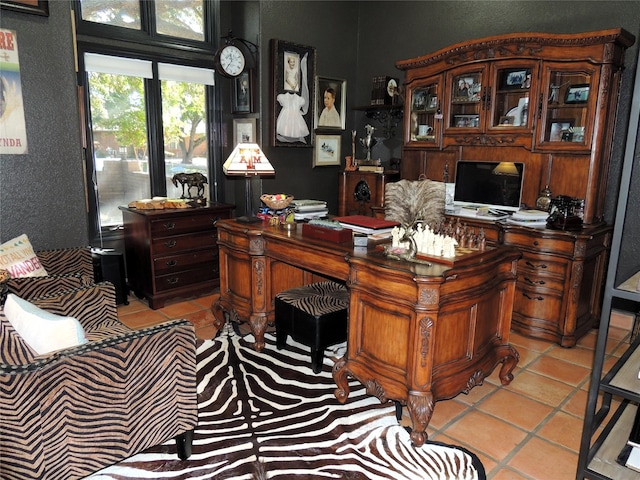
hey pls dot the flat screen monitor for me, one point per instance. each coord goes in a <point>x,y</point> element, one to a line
<point>496,185</point>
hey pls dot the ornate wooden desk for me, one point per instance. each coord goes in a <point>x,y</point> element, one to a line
<point>418,333</point>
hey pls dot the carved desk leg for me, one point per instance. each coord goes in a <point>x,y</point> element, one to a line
<point>258,324</point>
<point>340,374</point>
<point>509,357</point>
<point>420,408</point>
<point>219,314</point>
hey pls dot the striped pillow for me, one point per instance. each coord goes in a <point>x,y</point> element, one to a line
<point>43,331</point>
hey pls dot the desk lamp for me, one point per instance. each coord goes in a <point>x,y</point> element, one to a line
<point>506,169</point>
<point>247,160</point>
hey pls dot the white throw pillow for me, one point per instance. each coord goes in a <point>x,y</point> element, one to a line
<point>44,331</point>
<point>18,257</point>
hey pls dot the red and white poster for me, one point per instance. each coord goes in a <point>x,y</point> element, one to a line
<point>13,131</point>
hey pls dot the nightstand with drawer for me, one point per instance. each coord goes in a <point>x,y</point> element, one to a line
<point>172,253</point>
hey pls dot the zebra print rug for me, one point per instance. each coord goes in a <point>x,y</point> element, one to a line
<point>267,415</point>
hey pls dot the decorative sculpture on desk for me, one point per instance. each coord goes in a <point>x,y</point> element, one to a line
<point>190,180</point>
<point>368,141</point>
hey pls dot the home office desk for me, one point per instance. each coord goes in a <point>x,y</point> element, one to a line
<point>418,333</point>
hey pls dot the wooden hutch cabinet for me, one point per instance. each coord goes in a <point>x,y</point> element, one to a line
<point>359,191</point>
<point>550,102</point>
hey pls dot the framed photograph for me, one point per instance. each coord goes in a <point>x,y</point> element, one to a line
<point>244,131</point>
<point>577,93</point>
<point>331,103</point>
<point>558,128</point>
<point>466,88</point>
<point>515,78</point>
<point>327,150</point>
<point>466,121</point>
<point>293,71</point>
<point>507,120</point>
<point>37,7</point>
<point>242,93</point>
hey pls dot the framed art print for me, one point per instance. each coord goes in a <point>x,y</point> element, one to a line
<point>244,130</point>
<point>327,150</point>
<point>331,103</point>
<point>37,7</point>
<point>292,96</point>
<point>242,93</point>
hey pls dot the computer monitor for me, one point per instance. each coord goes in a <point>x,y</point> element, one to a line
<point>496,185</point>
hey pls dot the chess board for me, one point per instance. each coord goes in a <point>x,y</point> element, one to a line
<point>462,253</point>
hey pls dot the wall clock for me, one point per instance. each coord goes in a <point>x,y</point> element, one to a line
<point>229,61</point>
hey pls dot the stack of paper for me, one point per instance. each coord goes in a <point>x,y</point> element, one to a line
<point>529,218</point>
<point>309,209</point>
<point>367,225</point>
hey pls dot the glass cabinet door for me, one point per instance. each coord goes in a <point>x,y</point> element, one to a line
<point>426,114</point>
<point>569,97</point>
<point>467,99</point>
<point>511,106</point>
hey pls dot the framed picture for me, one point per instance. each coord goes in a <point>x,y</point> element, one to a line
<point>558,128</point>
<point>327,150</point>
<point>467,88</point>
<point>507,120</point>
<point>515,78</point>
<point>577,93</point>
<point>466,121</point>
<point>331,103</point>
<point>244,131</point>
<point>242,93</point>
<point>293,67</point>
<point>37,7</point>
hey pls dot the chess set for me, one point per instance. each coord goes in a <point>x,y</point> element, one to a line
<point>462,253</point>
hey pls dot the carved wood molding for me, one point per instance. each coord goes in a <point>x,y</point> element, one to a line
<point>474,380</point>
<point>426,324</point>
<point>429,296</point>
<point>374,388</point>
<point>485,140</point>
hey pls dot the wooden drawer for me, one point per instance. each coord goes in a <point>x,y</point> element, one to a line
<point>540,282</point>
<point>176,263</point>
<point>542,265</point>
<point>184,224</point>
<point>539,244</point>
<point>205,273</point>
<point>183,243</point>
<point>534,304</point>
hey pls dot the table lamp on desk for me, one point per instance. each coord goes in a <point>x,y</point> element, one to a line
<point>248,161</point>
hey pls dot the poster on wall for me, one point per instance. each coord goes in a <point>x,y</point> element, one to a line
<point>13,131</point>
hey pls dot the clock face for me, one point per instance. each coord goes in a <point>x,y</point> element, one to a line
<point>231,61</point>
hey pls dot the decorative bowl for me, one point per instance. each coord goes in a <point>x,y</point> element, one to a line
<point>276,201</point>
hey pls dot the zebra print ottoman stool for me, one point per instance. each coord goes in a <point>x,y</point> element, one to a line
<point>314,315</point>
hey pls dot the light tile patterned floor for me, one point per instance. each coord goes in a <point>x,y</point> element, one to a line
<point>528,430</point>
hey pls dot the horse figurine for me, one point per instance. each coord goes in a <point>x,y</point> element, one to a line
<point>196,179</point>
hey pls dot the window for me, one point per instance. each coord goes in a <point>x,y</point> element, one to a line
<point>147,102</point>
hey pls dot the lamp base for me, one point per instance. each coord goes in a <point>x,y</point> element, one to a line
<point>248,219</point>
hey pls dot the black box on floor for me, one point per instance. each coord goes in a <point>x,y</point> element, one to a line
<point>108,266</point>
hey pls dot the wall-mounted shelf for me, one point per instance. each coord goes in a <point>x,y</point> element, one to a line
<point>389,116</point>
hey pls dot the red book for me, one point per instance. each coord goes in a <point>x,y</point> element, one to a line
<point>366,224</point>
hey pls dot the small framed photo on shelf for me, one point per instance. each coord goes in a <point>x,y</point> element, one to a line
<point>467,88</point>
<point>242,93</point>
<point>419,100</point>
<point>244,130</point>
<point>466,121</point>
<point>331,103</point>
<point>577,93</point>
<point>326,150</point>
<point>515,78</point>
<point>559,129</point>
<point>507,120</point>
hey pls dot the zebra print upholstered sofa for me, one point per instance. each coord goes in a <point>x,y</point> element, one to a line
<point>75,411</point>
<point>67,268</point>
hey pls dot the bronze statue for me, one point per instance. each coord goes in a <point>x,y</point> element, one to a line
<point>196,179</point>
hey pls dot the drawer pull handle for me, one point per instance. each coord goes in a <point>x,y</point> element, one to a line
<point>172,263</point>
<point>173,280</point>
<point>531,265</point>
<point>524,294</point>
<point>214,221</point>
<point>170,225</point>
<point>536,243</point>
<point>534,282</point>
<point>170,243</point>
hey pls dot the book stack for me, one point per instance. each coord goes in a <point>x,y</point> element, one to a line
<point>376,228</point>
<point>309,209</point>
<point>529,218</point>
<point>633,460</point>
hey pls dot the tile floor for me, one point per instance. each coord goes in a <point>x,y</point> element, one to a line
<point>527,430</point>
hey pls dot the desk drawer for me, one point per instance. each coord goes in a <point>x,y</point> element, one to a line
<point>183,261</point>
<point>545,265</point>
<point>184,224</point>
<point>183,243</point>
<point>205,273</point>
<point>533,304</point>
<point>539,244</point>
